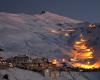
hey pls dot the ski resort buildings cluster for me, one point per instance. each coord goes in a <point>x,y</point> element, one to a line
<point>51,68</point>
<point>44,66</point>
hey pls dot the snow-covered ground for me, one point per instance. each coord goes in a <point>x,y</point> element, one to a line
<point>33,35</point>
<point>19,74</point>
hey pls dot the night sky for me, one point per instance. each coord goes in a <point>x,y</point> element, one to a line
<point>87,10</point>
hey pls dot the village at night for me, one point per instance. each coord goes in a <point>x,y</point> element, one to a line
<point>49,40</point>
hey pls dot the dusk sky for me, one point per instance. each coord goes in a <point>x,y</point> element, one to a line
<point>87,10</point>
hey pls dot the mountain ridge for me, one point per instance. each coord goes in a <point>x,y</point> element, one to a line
<point>44,36</point>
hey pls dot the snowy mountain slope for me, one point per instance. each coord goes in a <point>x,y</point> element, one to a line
<point>91,35</point>
<point>23,33</point>
<point>33,35</point>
